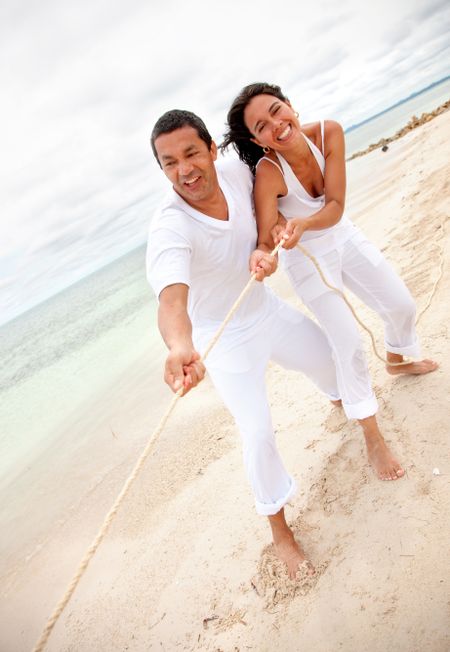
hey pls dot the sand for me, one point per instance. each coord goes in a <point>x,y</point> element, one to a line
<point>187,565</point>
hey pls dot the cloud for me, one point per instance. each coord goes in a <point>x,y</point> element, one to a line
<point>429,9</point>
<point>86,81</point>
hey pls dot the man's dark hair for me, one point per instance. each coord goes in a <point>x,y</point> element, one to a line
<point>176,119</point>
<point>237,133</point>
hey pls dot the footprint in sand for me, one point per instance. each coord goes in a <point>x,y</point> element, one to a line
<point>273,584</point>
<point>335,421</point>
<point>340,481</point>
<point>335,490</point>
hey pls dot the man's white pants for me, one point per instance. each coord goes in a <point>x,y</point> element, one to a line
<point>359,265</point>
<point>295,342</point>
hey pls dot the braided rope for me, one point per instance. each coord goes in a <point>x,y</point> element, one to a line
<point>103,529</point>
<point>342,295</point>
<point>438,278</point>
<point>40,645</point>
<point>361,323</point>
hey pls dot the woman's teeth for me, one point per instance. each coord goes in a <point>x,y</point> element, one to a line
<point>285,133</point>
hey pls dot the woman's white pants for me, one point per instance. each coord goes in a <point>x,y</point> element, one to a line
<point>358,265</point>
<point>295,342</point>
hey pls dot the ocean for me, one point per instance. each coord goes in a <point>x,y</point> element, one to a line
<point>388,122</point>
<point>59,355</point>
<point>63,352</point>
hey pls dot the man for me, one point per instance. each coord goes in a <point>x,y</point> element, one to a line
<point>200,244</point>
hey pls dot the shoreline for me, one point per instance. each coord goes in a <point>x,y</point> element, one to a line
<point>413,123</point>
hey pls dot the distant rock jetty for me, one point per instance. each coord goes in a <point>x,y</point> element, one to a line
<point>412,124</point>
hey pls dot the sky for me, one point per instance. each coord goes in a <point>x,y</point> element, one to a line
<point>83,83</point>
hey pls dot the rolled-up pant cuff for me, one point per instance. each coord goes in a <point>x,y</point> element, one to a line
<point>269,509</point>
<point>361,410</point>
<point>413,350</point>
<point>333,397</point>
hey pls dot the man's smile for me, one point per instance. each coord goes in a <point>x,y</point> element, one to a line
<point>192,181</point>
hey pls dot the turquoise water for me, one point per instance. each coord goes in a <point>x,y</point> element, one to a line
<point>60,354</point>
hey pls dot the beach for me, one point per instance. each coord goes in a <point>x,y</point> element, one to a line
<point>186,564</point>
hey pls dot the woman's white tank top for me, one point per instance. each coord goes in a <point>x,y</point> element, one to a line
<point>299,203</point>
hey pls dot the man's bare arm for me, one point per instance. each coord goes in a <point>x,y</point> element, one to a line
<point>183,367</point>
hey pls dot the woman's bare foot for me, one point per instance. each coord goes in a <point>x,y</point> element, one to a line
<point>337,403</point>
<point>417,368</point>
<point>286,547</point>
<point>380,457</point>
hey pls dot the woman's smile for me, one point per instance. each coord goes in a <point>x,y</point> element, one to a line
<point>285,133</point>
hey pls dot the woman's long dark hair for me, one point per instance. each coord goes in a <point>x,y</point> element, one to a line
<point>237,133</point>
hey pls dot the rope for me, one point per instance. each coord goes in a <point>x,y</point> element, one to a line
<point>40,645</point>
<point>235,306</point>
<point>361,323</point>
<point>342,295</point>
<point>438,278</point>
<point>103,529</point>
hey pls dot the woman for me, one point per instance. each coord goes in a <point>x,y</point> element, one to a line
<point>300,172</point>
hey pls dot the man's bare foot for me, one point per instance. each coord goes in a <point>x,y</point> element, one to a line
<point>286,547</point>
<point>383,462</point>
<point>380,457</point>
<point>289,551</point>
<point>337,403</point>
<point>417,368</point>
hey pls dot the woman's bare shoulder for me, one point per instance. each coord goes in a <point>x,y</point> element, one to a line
<point>269,176</point>
<point>268,167</point>
<point>313,130</point>
<point>331,127</point>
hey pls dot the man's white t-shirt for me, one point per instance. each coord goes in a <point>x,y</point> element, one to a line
<point>211,257</point>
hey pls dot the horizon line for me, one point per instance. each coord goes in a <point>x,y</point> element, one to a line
<point>400,102</point>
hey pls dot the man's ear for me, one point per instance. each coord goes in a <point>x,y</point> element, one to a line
<point>213,150</point>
